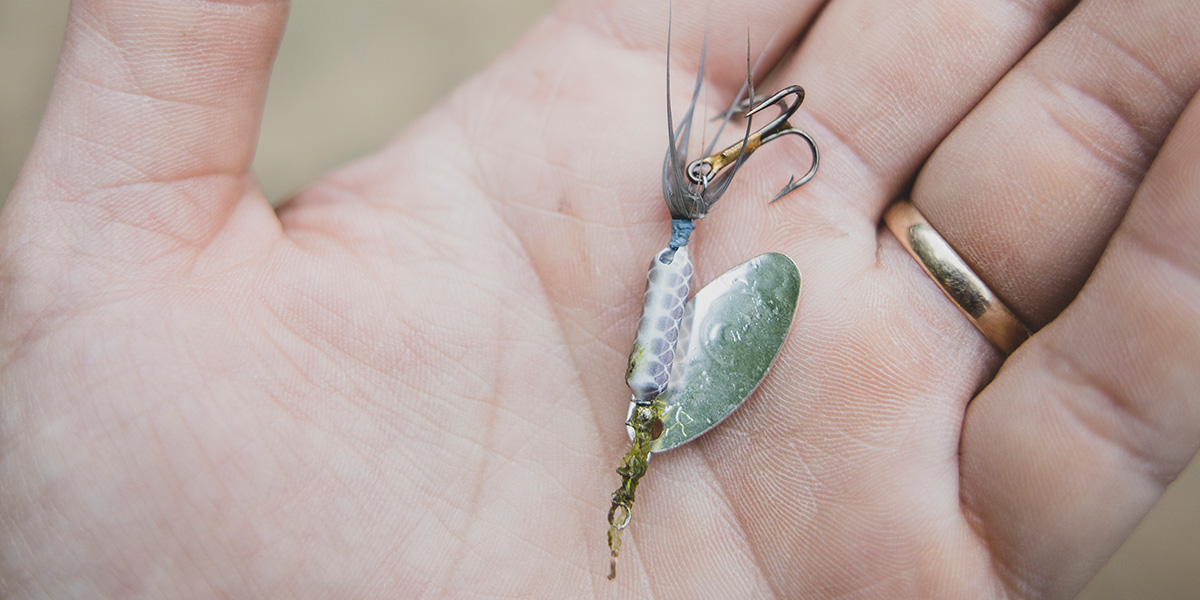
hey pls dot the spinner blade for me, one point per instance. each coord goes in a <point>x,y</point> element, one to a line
<point>731,333</point>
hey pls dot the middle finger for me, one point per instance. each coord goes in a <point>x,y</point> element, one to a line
<point>886,82</point>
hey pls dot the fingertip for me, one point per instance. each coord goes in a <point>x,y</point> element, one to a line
<point>184,76</point>
<point>156,99</point>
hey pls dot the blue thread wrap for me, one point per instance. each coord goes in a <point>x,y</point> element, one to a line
<point>681,232</point>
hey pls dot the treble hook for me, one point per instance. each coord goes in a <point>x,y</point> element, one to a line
<point>703,170</point>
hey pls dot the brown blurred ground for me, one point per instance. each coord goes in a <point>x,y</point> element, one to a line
<point>352,72</point>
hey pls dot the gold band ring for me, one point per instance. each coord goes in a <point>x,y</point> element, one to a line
<point>968,292</point>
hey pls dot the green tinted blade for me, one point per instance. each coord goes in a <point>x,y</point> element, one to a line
<point>732,332</point>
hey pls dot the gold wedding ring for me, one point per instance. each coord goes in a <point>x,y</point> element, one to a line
<point>968,292</point>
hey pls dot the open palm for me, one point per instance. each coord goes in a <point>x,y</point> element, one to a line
<point>407,381</point>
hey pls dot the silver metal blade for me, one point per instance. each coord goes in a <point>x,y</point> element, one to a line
<point>732,331</point>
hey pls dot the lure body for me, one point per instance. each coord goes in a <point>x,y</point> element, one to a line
<point>674,400</point>
<point>667,285</point>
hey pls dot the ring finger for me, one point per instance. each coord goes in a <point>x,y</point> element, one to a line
<point>1033,183</point>
<point>1030,189</point>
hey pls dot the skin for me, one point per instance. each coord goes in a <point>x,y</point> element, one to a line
<point>408,380</point>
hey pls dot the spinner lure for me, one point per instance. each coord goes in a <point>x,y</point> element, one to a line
<point>695,361</point>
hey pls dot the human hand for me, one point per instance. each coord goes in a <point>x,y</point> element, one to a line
<point>409,381</point>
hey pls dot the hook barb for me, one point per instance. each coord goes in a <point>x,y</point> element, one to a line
<point>704,170</point>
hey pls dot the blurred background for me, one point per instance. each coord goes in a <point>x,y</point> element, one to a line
<point>351,73</point>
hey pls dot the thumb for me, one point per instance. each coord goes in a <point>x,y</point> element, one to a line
<point>151,127</point>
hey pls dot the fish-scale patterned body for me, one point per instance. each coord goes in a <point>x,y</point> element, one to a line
<point>667,287</point>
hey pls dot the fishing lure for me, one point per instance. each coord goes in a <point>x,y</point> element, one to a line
<point>694,362</point>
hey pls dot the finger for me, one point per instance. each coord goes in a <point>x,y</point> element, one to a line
<point>1079,433</point>
<point>887,81</point>
<point>151,127</point>
<point>1030,187</point>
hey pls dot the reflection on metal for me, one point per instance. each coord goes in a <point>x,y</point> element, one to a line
<point>731,333</point>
